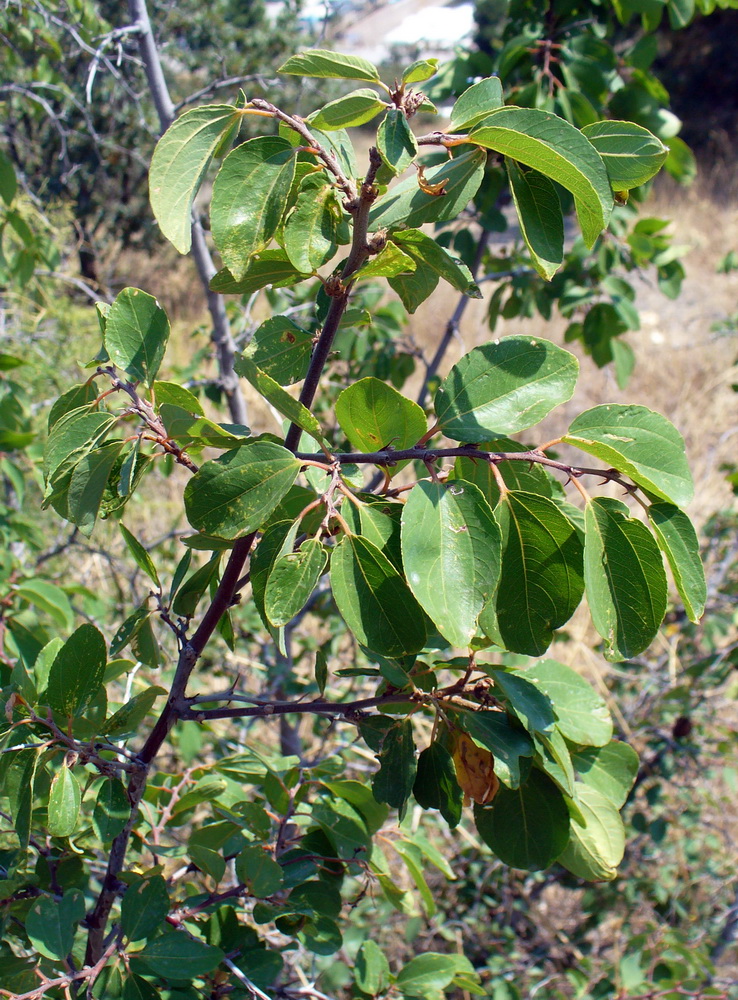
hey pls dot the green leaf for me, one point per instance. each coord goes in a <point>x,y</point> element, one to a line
<point>426,973</point>
<point>581,714</point>
<point>374,600</point>
<point>423,248</point>
<point>436,786</point>
<point>78,397</point>
<point>137,988</point>
<point>190,429</point>
<point>49,598</point>
<point>287,405</point>
<point>406,205</point>
<point>87,485</point>
<point>531,706</point>
<point>475,104</point>
<point>421,70</point>
<point>638,443</point>
<point>292,580</point>
<point>73,436</point>
<point>141,557</point>
<point>681,13</point>
<point>374,416</point>
<point>516,475</point>
<point>451,549</point>
<point>678,541</point>
<point>541,583</point>
<point>176,395</point>
<point>270,267</point>
<point>394,780</point>
<point>388,263</point>
<point>144,907</point>
<point>178,166</point>
<point>65,799</point>
<point>504,386</point>
<point>77,671</point>
<point>325,64</point>
<point>415,287</point>
<point>128,718</point>
<point>51,923</point>
<point>625,578</point>
<point>553,147</point>
<point>179,956</point>
<point>281,349</point>
<point>136,334</point>
<point>352,110</point>
<point>527,827</point>
<point>611,769</point>
<point>19,788</point>
<point>396,142</point>
<point>249,198</point>
<point>631,154</point>
<point>507,743</point>
<point>540,216</point>
<point>259,872</point>
<point>233,495</point>
<point>371,969</point>
<point>8,182</point>
<point>111,811</point>
<point>597,840</point>
<point>311,230</point>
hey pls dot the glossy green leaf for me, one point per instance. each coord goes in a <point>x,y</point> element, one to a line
<point>388,263</point>
<point>111,811</point>
<point>638,443</point>
<point>144,907</point>
<point>77,671</point>
<point>51,923</point>
<point>394,780</point>
<point>406,205</point>
<point>176,955</point>
<point>419,71</point>
<point>597,840</point>
<point>268,268</point>
<point>141,557</point>
<point>234,494</point>
<point>504,386</point>
<point>374,600</point>
<point>475,104</point>
<point>311,230</point>
<point>451,549</point>
<point>65,799</point>
<point>129,717</point>
<point>526,827</point>
<point>249,198</point>
<point>678,541</point>
<point>550,145</point>
<point>631,154</point>
<point>396,142</point>
<point>532,706</point>
<point>18,786</point>
<point>423,248</point>
<point>292,580</point>
<point>178,166</point>
<point>371,969</point>
<point>541,583</point>
<point>611,769</point>
<point>136,334</point>
<point>49,598</point>
<point>436,786</point>
<point>280,348</point>
<point>625,578</point>
<point>281,400</point>
<point>581,714</point>
<point>350,111</point>
<point>540,216</point>
<point>176,395</point>
<point>189,429</point>
<point>259,872</point>
<point>374,416</point>
<point>507,743</point>
<point>325,64</point>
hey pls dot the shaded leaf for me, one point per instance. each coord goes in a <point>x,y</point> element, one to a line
<point>678,541</point>
<point>396,142</point>
<point>508,744</point>
<point>281,400</point>
<point>179,956</point>
<point>597,840</point>
<point>540,216</point>
<point>144,907</point>
<point>77,671</point>
<point>136,334</point>
<point>65,799</point>
<point>394,780</point>
<point>611,769</point>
